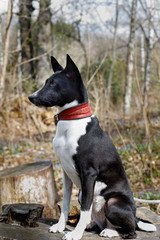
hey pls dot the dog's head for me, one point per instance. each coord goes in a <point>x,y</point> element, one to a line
<point>63,87</point>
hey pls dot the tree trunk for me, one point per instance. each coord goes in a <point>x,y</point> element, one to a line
<point>6,49</point>
<point>113,55</point>
<point>1,44</point>
<point>25,13</point>
<point>149,47</point>
<point>44,41</point>
<point>130,62</point>
<point>30,183</point>
<point>142,56</point>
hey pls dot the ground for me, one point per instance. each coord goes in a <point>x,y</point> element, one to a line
<point>8,232</point>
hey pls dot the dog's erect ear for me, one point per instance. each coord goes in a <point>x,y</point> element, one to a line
<point>69,63</point>
<point>55,65</point>
<point>71,67</point>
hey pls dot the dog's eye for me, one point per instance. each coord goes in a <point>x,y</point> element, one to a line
<point>53,84</point>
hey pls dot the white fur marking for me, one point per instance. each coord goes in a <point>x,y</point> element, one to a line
<point>60,226</point>
<point>98,203</point>
<point>109,233</point>
<point>77,233</point>
<point>99,186</point>
<point>67,105</point>
<point>98,200</point>
<point>98,210</point>
<point>66,142</point>
<point>146,226</point>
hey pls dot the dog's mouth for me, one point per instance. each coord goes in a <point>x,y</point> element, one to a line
<point>35,101</point>
<point>39,103</point>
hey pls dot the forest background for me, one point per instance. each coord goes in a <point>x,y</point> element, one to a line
<point>116,46</point>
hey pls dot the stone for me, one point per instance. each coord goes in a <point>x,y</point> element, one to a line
<point>21,214</point>
<point>10,232</point>
<point>147,215</point>
<point>74,211</point>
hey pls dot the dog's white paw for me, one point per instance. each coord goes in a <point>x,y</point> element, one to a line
<point>57,228</point>
<point>74,235</point>
<point>109,233</point>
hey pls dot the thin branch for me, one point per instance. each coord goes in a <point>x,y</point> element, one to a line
<point>146,201</point>
<point>35,58</point>
<point>96,71</point>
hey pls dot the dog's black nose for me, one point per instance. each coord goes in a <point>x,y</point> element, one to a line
<point>31,97</point>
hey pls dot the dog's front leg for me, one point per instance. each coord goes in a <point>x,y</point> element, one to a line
<point>67,190</point>
<point>87,184</point>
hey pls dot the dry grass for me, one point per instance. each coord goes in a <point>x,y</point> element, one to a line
<point>26,136</point>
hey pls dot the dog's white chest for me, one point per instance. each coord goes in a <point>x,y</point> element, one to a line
<point>65,145</point>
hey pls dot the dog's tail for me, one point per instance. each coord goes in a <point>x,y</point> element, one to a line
<point>145,226</point>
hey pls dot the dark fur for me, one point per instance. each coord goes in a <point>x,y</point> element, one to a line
<point>97,158</point>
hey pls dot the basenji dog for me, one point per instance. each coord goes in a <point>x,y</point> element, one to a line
<point>88,158</point>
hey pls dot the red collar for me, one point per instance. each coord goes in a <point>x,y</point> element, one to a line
<point>77,112</point>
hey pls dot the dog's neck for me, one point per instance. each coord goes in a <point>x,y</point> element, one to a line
<point>73,111</point>
<point>67,106</point>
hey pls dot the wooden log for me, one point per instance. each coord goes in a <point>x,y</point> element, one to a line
<point>30,183</point>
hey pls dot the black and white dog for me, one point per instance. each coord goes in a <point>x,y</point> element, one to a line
<point>88,159</point>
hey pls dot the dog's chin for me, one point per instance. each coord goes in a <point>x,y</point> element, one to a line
<point>42,105</point>
<point>39,103</point>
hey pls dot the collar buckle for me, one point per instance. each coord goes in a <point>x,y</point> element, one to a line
<point>56,119</point>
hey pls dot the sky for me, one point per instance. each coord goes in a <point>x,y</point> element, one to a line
<point>96,14</point>
<point>3,6</point>
<point>100,9</point>
<point>93,14</point>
